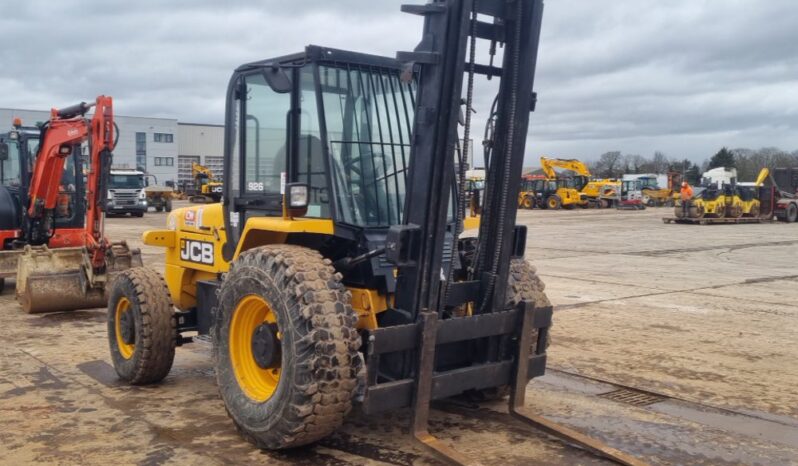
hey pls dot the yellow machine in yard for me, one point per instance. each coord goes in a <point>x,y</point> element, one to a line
<point>706,202</point>
<point>528,196</point>
<point>725,201</point>
<point>579,190</point>
<point>559,192</point>
<point>334,273</point>
<point>206,187</point>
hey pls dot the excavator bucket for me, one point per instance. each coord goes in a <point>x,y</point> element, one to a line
<point>58,280</point>
<point>53,280</point>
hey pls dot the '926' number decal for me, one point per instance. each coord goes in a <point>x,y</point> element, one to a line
<point>255,186</point>
<point>200,252</point>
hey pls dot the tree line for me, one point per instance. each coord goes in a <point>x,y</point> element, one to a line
<point>748,163</point>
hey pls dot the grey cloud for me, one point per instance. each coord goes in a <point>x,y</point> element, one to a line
<point>683,76</point>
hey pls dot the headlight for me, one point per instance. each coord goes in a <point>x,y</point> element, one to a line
<point>297,195</point>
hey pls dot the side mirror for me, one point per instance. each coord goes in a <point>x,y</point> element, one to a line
<point>3,151</point>
<point>277,79</point>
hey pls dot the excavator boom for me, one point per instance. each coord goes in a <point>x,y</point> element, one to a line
<point>548,165</point>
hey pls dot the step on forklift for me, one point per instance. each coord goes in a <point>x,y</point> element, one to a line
<point>334,272</point>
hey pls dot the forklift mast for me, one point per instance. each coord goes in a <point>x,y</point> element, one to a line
<point>451,28</point>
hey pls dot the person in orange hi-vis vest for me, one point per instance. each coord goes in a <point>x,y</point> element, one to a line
<point>687,195</point>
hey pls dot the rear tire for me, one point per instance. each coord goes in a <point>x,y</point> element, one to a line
<point>303,394</point>
<point>141,326</point>
<point>792,213</point>
<point>554,202</point>
<point>168,205</point>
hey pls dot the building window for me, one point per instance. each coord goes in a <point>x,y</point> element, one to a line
<point>164,161</point>
<point>163,137</point>
<point>141,151</point>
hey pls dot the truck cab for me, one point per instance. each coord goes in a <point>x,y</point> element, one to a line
<point>126,193</point>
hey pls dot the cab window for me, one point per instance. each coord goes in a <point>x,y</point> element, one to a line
<point>265,131</point>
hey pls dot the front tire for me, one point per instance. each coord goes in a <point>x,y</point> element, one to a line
<point>141,326</point>
<point>528,202</point>
<point>554,202</point>
<point>286,346</point>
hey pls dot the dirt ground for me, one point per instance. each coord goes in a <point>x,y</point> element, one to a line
<point>703,317</point>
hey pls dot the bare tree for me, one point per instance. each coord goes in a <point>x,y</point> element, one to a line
<point>608,165</point>
<point>659,164</point>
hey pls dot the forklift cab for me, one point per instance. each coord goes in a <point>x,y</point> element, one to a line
<point>329,130</point>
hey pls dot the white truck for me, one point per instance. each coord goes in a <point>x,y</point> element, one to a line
<point>126,193</point>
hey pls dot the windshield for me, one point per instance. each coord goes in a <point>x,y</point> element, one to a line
<point>368,113</point>
<point>9,169</point>
<point>126,182</point>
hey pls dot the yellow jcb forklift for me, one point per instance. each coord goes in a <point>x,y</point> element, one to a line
<point>334,274</point>
<point>207,188</point>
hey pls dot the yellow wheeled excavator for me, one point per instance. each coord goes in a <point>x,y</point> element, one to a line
<point>334,274</point>
<point>577,190</point>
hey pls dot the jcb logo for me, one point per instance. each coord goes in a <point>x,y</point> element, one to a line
<point>200,252</point>
<point>216,190</point>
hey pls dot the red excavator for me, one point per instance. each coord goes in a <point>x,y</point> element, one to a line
<point>63,267</point>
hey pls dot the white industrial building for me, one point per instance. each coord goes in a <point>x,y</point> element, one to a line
<point>157,146</point>
<point>202,144</point>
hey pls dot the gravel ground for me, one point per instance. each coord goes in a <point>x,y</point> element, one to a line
<point>705,316</point>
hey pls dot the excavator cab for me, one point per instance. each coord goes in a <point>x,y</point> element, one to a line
<point>15,177</point>
<point>21,145</point>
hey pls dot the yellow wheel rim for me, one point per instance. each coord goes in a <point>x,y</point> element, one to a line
<point>528,203</point>
<point>552,203</point>
<point>257,383</point>
<point>125,349</point>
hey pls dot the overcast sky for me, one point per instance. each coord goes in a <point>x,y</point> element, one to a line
<point>681,76</point>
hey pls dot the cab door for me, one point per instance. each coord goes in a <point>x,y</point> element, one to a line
<point>257,148</point>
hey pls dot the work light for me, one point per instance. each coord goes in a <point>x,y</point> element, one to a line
<point>297,195</point>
